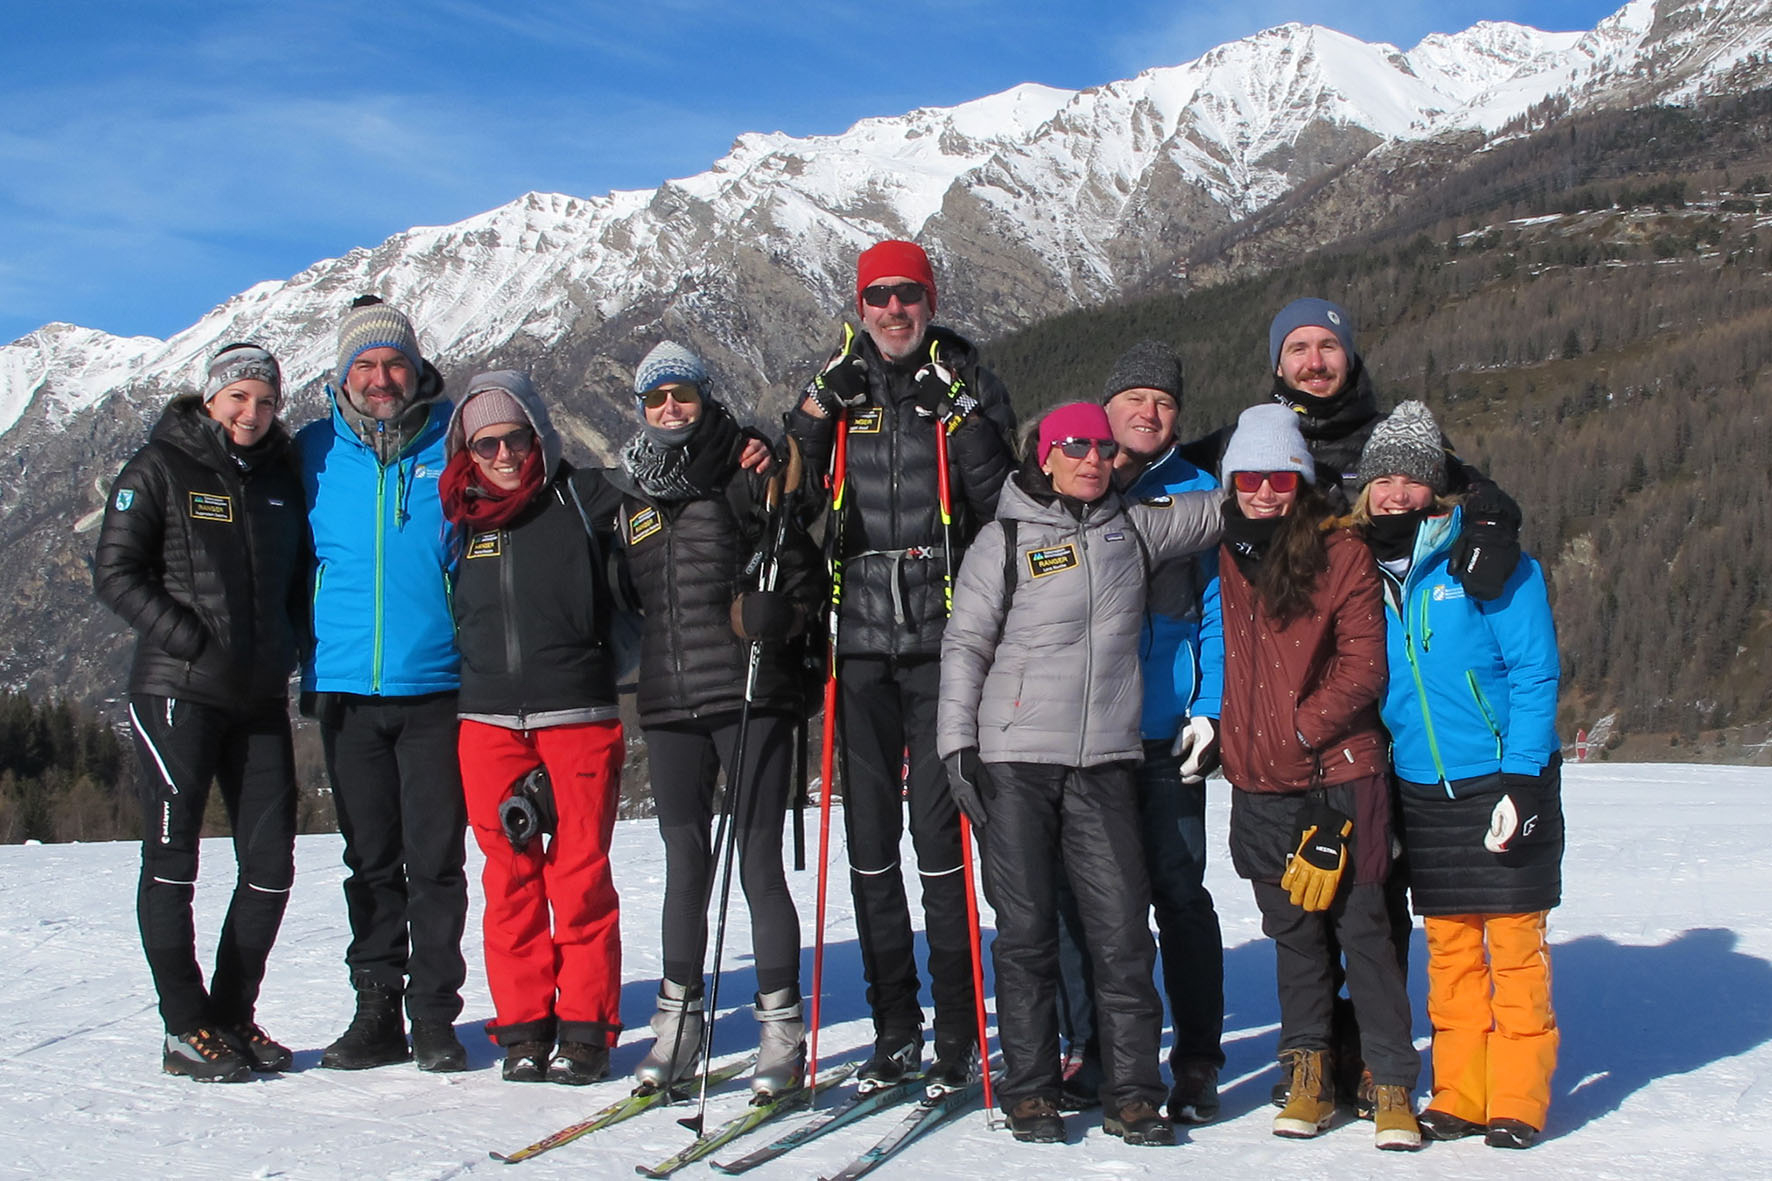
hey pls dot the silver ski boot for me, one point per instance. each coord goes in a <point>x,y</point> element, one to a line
<point>677,1029</point>
<point>781,1043</point>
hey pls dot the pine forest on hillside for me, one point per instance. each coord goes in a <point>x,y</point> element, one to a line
<point>1586,308</point>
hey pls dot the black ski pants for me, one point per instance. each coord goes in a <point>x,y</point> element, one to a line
<point>887,713</point>
<point>1172,819</point>
<point>1088,818</point>
<point>183,747</point>
<point>1305,970</point>
<point>685,759</point>
<point>396,784</point>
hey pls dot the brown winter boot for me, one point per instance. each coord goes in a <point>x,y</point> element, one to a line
<point>1310,1095</point>
<point>1396,1128</point>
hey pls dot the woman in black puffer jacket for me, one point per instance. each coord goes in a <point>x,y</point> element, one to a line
<point>202,552</point>
<point>691,521</point>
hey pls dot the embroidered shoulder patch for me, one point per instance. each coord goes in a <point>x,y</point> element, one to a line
<point>1051,560</point>
<point>867,421</point>
<point>644,524</point>
<point>207,506</point>
<point>486,545</point>
<point>125,498</point>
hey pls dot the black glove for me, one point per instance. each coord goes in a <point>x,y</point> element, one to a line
<point>1314,873</point>
<point>529,811</point>
<point>1517,819</point>
<point>1488,547</point>
<point>842,383</point>
<point>943,396</point>
<point>766,616</point>
<point>969,785</point>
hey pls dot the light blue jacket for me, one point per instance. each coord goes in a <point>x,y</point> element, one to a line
<point>1473,685</point>
<point>382,619</point>
<point>1181,651</point>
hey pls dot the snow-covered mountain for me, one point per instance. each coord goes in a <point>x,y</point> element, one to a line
<point>1034,201</point>
<point>1067,197</point>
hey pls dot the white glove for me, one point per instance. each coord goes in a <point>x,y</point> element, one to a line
<point>1197,748</point>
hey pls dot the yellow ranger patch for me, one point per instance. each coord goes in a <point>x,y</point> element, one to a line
<point>207,506</point>
<point>486,545</point>
<point>1051,559</point>
<point>866,422</point>
<point>644,524</point>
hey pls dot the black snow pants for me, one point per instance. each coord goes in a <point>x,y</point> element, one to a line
<point>183,747</point>
<point>887,714</point>
<point>1088,818</point>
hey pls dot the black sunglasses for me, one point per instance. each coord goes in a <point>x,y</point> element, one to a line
<point>683,395</point>
<point>1078,448</point>
<point>880,294</point>
<point>517,442</point>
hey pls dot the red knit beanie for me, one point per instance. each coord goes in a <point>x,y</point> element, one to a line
<point>894,257</point>
<point>1074,420</point>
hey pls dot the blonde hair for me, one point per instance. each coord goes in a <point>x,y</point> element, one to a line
<point>1360,516</point>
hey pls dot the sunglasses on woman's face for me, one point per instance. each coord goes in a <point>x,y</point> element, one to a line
<point>1281,482</point>
<point>517,442</point>
<point>682,395</point>
<point>1078,448</point>
<point>880,294</point>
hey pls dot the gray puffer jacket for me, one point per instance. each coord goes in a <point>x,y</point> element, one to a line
<point>1055,677</point>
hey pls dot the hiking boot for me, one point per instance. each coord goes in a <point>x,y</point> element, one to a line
<point>1035,1120</point>
<point>266,1055</point>
<point>676,1033</point>
<point>1140,1123</point>
<point>1443,1125</point>
<point>1310,1100</point>
<point>896,1054</point>
<point>1365,1102</point>
<point>205,1055</point>
<point>1510,1133</point>
<point>435,1046</point>
<point>955,1065</point>
<point>781,1043</point>
<point>1395,1128</point>
<point>376,1035</point>
<point>527,1062</point>
<point>577,1064</point>
<point>1194,1098</point>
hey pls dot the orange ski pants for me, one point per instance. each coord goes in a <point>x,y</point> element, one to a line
<point>1489,999</point>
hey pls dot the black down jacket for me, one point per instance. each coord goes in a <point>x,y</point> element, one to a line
<point>688,561</point>
<point>1452,873</point>
<point>203,552</point>
<point>532,610</point>
<point>893,603</point>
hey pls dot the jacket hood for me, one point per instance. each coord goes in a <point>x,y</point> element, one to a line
<point>186,425</point>
<point>522,391</point>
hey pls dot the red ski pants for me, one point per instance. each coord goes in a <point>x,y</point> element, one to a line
<point>1495,1035</point>
<point>560,977</point>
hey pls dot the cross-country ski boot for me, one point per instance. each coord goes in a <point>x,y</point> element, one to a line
<point>781,1043</point>
<point>676,1028</point>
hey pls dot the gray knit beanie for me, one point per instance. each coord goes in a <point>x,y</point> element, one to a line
<point>1268,439</point>
<point>372,324</point>
<point>241,362</point>
<point>1310,312</point>
<point>669,363</point>
<point>1147,365</point>
<point>1408,443</point>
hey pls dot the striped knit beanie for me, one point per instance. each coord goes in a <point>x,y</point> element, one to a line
<point>241,362</point>
<point>372,324</point>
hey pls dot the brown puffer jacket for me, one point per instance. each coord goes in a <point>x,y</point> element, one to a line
<point>1320,676</point>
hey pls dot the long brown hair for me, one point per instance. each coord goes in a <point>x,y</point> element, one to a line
<point>1286,576</point>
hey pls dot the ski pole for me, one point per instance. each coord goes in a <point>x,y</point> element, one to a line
<point>767,565</point>
<point>827,759</point>
<point>944,493</point>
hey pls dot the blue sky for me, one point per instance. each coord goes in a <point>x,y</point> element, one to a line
<point>156,157</point>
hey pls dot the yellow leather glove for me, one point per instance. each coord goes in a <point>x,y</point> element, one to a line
<point>1314,871</point>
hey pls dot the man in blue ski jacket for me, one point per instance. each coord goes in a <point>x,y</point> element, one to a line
<point>381,677</point>
<point>1182,660</point>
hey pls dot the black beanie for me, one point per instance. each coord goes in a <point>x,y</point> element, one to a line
<point>1147,365</point>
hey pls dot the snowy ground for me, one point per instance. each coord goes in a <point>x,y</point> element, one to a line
<point>1663,988</point>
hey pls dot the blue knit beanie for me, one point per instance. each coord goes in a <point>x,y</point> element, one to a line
<point>669,363</point>
<point>1310,313</point>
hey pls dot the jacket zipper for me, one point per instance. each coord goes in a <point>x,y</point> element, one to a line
<point>381,503</point>
<point>1088,637</point>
